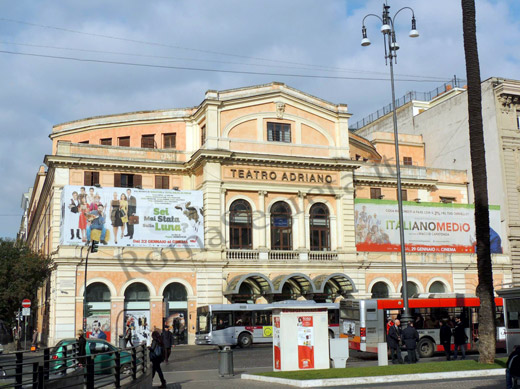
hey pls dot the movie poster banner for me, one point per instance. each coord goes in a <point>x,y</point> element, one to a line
<point>132,217</point>
<point>305,342</point>
<point>428,227</point>
<point>276,343</point>
<point>98,325</point>
<point>139,323</point>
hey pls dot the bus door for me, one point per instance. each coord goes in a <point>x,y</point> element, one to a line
<point>512,313</point>
<point>262,327</point>
<point>221,328</point>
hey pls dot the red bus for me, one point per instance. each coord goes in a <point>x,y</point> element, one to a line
<point>364,321</point>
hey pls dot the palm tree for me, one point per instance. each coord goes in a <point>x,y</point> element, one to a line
<point>485,292</point>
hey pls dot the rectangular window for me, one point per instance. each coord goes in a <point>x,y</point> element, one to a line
<point>127,180</point>
<point>169,141</point>
<point>279,132</point>
<point>91,178</point>
<point>124,141</point>
<point>404,194</point>
<point>85,142</point>
<point>375,193</point>
<point>162,182</point>
<point>148,141</point>
<point>202,135</point>
<point>106,142</point>
<point>407,161</point>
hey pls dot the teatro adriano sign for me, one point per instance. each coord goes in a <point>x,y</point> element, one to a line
<point>279,175</point>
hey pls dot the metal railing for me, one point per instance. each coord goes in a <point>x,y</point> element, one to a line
<point>64,366</point>
<point>412,95</point>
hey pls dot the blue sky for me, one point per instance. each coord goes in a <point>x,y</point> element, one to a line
<point>306,37</point>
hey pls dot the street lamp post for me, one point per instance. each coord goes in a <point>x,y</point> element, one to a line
<point>391,47</point>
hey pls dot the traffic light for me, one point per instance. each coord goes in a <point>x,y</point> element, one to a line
<point>94,247</point>
<point>88,310</point>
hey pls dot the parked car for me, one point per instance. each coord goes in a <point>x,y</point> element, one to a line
<point>101,350</point>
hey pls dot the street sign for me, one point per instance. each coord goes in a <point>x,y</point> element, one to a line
<point>26,303</point>
<point>26,311</point>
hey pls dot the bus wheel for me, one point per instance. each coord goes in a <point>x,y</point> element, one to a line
<point>426,348</point>
<point>245,340</point>
<point>331,334</point>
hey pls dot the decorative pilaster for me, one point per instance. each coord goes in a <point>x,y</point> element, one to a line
<point>302,238</point>
<point>260,223</point>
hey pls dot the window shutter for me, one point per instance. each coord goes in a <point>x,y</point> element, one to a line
<point>138,180</point>
<point>95,178</point>
<point>158,182</point>
<point>166,182</point>
<point>87,179</point>
<point>117,180</point>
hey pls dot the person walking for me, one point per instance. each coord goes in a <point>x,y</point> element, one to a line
<point>459,339</point>
<point>167,339</point>
<point>513,367</point>
<point>82,348</point>
<point>445,338</point>
<point>128,336</point>
<point>157,356</point>
<point>35,340</point>
<point>394,340</point>
<point>410,339</point>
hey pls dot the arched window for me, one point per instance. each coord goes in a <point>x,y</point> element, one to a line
<point>240,225</point>
<point>380,290</point>
<point>175,292</point>
<point>137,292</point>
<point>319,227</point>
<point>411,288</point>
<point>437,287</point>
<point>281,226</point>
<point>98,292</point>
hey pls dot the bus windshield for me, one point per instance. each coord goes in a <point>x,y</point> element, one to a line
<point>203,321</point>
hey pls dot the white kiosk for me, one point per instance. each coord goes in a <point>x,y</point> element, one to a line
<point>300,338</point>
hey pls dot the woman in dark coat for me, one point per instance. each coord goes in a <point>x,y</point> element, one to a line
<point>82,348</point>
<point>156,356</point>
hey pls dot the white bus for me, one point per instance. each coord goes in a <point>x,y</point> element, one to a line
<point>245,324</point>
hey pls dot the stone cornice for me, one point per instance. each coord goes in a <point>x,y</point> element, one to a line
<point>82,162</point>
<point>390,181</point>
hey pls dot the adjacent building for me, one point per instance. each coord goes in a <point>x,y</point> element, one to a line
<point>258,194</point>
<point>441,118</point>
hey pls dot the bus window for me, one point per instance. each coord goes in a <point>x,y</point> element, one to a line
<point>512,309</point>
<point>243,318</point>
<point>220,320</point>
<point>262,318</point>
<point>349,313</point>
<point>333,316</point>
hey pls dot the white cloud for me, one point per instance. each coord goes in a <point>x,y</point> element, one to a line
<point>37,93</point>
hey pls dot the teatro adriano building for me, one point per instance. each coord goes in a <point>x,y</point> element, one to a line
<point>258,194</point>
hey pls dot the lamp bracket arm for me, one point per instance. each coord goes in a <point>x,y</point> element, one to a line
<point>366,16</point>
<point>395,15</point>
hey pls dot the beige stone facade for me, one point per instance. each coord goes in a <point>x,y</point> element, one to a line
<point>260,147</point>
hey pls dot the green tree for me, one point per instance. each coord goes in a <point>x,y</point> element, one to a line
<point>22,272</point>
<point>486,317</point>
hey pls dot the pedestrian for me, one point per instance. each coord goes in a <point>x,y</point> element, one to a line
<point>459,339</point>
<point>35,340</point>
<point>167,339</point>
<point>128,336</point>
<point>410,339</point>
<point>157,356</point>
<point>394,342</point>
<point>445,338</point>
<point>513,367</point>
<point>82,348</point>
